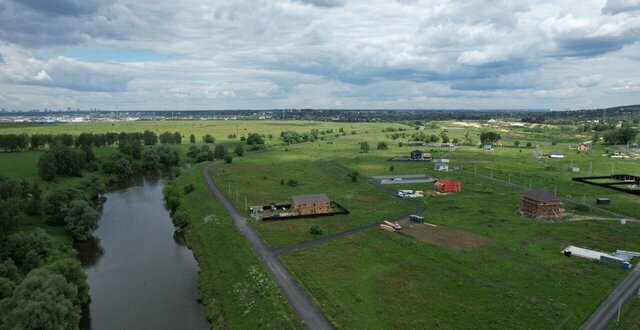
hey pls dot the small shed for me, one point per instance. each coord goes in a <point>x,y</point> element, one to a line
<point>448,186</point>
<point>441,166</point>
<point>574,169</point>
<point>311,204</point>
<point>583,147</point>
<point>603,201</point>
<point>487,147</point>
<point>416,155</point>
<point>557,154</point>
<point>540,204</point>
<point>256,209</point>
<point>416,218</point>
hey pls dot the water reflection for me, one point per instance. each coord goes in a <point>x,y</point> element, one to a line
<point>89,252</point>
<point>140,278</point>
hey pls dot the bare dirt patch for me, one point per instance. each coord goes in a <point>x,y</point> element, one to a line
<point>443,237</point>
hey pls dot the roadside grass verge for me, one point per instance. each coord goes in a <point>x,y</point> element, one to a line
<point>233,284</point>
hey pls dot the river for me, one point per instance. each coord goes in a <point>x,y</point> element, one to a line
<point>140,273</point>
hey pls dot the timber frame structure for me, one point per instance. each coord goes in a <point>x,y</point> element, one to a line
<point>540,204</point>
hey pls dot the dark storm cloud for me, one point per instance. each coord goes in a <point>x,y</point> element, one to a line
<point>64,7</point>
<point>595,46</point>
<point>620,6</point>
<point>38,24</point>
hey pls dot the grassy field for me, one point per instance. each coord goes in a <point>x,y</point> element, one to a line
<point>237,291</point>
<point>381,279</point>
<point>517,278</point>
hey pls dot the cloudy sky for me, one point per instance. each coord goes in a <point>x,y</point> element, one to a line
<point>265,54</point>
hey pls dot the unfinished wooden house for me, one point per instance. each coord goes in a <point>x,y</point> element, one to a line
<point>311,204</point>
<point>540,204</point>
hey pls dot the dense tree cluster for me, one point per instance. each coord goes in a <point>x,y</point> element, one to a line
<point>14,142</point>
<point>170,138</point>
<point>42,286</point>
<point>489,137</point>
<point>292,137</point>
<point>254,139</point>
<point>74,208</point>
<point>622,135</point>
<point>62,160</point>
<point>208,138</point>
<point>17,198</point>
<point>200,154</point>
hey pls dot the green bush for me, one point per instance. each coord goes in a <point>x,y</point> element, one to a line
<point>181,218</point>
<point>188,188</point>
<point>317,230</point>
<point>581,208</point>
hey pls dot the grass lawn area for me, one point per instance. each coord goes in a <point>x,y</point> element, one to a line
<point>257,178</point>
<point>381,279</point>
<point>233,284</point>
<point>19,165</point>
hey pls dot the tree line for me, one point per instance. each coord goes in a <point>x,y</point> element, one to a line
<point>22,142</point>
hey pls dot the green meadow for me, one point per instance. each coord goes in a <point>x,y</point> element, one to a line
<point>376,279</point>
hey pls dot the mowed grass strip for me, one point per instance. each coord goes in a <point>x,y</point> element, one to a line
<point>233,284</point>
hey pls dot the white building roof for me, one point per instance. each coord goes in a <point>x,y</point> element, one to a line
<point>586,253</point>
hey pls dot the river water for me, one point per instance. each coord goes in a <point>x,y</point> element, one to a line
<point>140,273</point>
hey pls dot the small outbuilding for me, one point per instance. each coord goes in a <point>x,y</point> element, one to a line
<point>583,147</point>
<point>448,186</point>
<point>441,164</point>
<point>540,204</point>
<point>416,155</point>
<point>557,154</point>
<point>416,218</point>
<point>311,204</point>
<point>487,147</point>
<point>603,201</point>
<point>574,169</point>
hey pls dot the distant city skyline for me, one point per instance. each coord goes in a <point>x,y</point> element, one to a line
<point>326,54</point>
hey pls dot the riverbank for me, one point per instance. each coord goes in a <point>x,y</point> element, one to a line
<point>233,284</point>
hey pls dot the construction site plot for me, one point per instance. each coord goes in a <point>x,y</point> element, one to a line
<point>442,236</point>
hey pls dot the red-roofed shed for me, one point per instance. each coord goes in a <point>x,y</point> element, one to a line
<point>448,186</point>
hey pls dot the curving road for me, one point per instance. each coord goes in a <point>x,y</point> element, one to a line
<point>310,315</point>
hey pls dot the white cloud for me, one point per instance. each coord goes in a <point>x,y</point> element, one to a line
<point>305,53</point>
<point>42,75</point>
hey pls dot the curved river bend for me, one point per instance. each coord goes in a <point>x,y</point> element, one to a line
<point>140,273</point>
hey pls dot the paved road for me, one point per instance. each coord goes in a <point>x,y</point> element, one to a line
<point>298,299</point>
<point>608,310</point>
